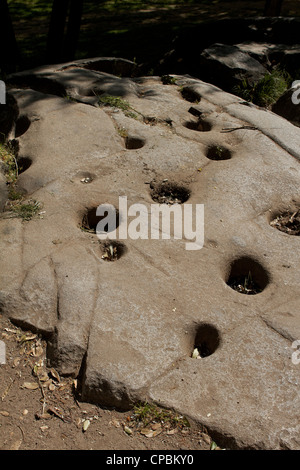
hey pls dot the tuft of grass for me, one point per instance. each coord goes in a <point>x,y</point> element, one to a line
<point>117,102</point>
<point>26,210</point>
<point>168,80</point>
<point>147,413</point>
<point>267,91</point>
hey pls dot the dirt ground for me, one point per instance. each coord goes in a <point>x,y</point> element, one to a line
<point>39,410</point>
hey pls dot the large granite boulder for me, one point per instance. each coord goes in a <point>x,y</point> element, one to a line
<point>211,332</point>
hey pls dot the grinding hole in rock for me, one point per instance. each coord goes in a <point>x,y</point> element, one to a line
<point>134,142</point>
<point>200,125</point>
<point>112,250</point>
<point>169,193</point>
<point>91,220</point>
<point>22,125</point>
<point>23,164</point>
<point>287,222</point>
<point>217,152</point>
<point>190,95</point>
<point>206,342</point>
<point>247,276</point>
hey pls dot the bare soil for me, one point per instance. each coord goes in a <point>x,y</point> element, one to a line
<point>39,410</point>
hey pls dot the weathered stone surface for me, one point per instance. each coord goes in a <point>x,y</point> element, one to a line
<point>288,105</point>
<point>227,66</point>
<point>128,328</point>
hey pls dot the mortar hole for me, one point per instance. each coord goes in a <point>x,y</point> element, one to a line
<point>287,222</point>
<point>22,125</point>
<point>23,164</point>
<point>90,220</point>
<point>169,193</point>
<point>190,95</point>
<point>200,125</point>
<point>247,276</point>
<point>112,250</point>
<point>217,152</point>
<point>206,342</point>
<point>133,142</point>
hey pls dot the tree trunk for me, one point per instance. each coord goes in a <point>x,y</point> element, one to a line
<point>273,7</point>
<point>8,51</point>
<point>56,30</point>
<point>73,29</point>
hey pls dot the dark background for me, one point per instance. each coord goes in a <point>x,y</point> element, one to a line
<point>139,31</point>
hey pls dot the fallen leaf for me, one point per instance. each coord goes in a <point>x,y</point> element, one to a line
<point>115,423</point>
<point>37,351</point>
<point>195,353</point>
<point>44,428</point>
<point>147,432</point>
<point>16,361</point>
<point>128,430</point>
<point>85,425</point>
<point>55,374</point>
<point>173,431</point>
<point>25,338</point>
<point>31,385</point>
<point>43,416</point>
<point>156,426</point>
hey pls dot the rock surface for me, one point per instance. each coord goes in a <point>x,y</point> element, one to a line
<point>128,328</point>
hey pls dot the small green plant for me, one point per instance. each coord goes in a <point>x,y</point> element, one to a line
<point>168,80</point>
<point>122,132</point>
<point>147,413</point>
<point>26,210</point>
<point>219,151</point>
<point>267,91</point>
<point>118,102</point>
<point>14,195</point>
<point>9,163</point>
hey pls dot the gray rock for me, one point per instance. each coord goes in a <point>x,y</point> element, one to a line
<point>226,66</point>
<point>127,328</point>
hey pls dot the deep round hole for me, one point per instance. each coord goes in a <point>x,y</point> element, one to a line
<point>22,125</point>
<point>206,342</point>
<point>133,142</point>
<point>217,152</point>
<point>169,193</point>
<point>112,250</point>
<point>200,125</point>
<point>90,220</point>
<point>190,95</point>
<point>23,164</point>
<point>287,222</point>
<point>247,276</point>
